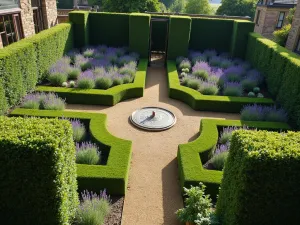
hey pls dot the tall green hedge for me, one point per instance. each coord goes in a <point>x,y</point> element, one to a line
<point>179,36</point>
<point>109,28</point>
<point>139,31</point>
<point>3,100</point>
<point>37,171</point>
<point>241,30</point>
<point>209,33</point>
<point>261,179</point>
<point>80,23</point>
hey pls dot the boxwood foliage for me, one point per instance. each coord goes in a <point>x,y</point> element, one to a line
<point>261,179</point>
<point>26,62</point>
<point>38,171</point>
<point>114,175</point>
<point>281,68</point>
<point>80,23</point>
<point>179,36</point>
<point>205,34</point>
<point>191,171</point>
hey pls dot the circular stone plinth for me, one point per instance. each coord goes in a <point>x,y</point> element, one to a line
<point>153,118</point>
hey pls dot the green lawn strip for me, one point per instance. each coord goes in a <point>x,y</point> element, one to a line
<point>109,97</point>
<point>207,102</point>
<point>191,170</point>
<point>113,176</point>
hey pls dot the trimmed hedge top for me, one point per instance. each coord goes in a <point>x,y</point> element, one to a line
<point>38,171</point>
<point>261,179</point>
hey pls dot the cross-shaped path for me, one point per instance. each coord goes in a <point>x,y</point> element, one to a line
<point>153,194</point>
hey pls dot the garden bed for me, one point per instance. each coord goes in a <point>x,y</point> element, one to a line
<point>211,82</point>
<point>113,176</point>
<point>192,156</point>
<point>97,76</point>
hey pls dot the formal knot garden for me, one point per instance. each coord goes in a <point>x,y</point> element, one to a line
<point>91,133</point>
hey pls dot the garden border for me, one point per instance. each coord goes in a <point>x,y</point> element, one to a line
<point>191,170</point>
<point>197,101</point>
<point>108,97</point>
<point>114,176</point>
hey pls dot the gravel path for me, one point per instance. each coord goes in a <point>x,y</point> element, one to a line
<point>153,194</point>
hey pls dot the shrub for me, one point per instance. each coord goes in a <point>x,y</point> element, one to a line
<point>74,73</point>
<point>260,95</point>
<point>215,61</point>
<point>79,132</point>
<point>194,84</point>
<point>39,156</point>
<point>103,82</point>
<point>51,101</point>
<point>249,83</point>
<point>280,36</point>
<point>272,114</point>
<point>197,205</point>
<point>226,63</point>
<point>251,94</point>
<point>117,80</point>
<point>218,160</point>
<point>256,90</point>
<point>86,80</point>
<point>87,153</point>
<point>126,79</point>
<point>93,209</point>
<point>210,53</point>
<point>233,89</point>
<point>72,84</point>
<point>260,178</point>
<point>202,74</point>
<point>89,53</point>
<point>185,64</point>
<point>31,101</point>
<point>253,113</point>
<point>209,88</point>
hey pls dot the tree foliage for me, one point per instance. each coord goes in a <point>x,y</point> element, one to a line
<point>131,5</point>
<point>177,6</point>
<point>198,7</point>
<point>237,8</point>
<point>291,14</point>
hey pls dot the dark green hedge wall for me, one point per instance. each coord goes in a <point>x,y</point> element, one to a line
<point>211,34</point>
<point>109,28</point>
<point>159,34</point>
<point>139,31</point>
<point>37,171</point>
<point>179,36</point>
<point>26,62</point>
<point>80,23</point>
<point>261,179</point>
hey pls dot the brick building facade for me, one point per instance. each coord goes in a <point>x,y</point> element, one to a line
<point>271,15</point>
<point>293,42</point>
<point>23,18</point>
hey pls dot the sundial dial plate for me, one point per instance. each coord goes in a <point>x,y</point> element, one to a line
<point>153,118</point>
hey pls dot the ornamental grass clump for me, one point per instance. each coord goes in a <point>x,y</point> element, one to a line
<point>87,153</point>
<point>103,82</point>
<point>209,88</point>
<point>51,101</point>
<point>198,207</point>
<point>74,73</point>
<point>93,208</point>
<point>232,89</point>
<point>79,131</point>
<point>253,113</point>
<point>86,80</point>
<point>185,64</point>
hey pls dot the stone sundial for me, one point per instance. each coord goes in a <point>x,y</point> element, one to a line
<point>153,118</point>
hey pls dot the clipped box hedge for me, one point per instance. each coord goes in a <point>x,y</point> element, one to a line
<point>24,63</point>
<point>191,155</point>
<point>261,179</point>
<point>38,171</point>
<point>197,101</point>
<point>114,175</point>
<point>281,69</point>
<point>108,97</point>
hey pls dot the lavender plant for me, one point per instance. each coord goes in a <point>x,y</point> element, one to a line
<point>215,61</point>
<point>210,53</point>
<point>102,49</point>
<point>209,88</point>
<point>87,153</point>
<point>86,80</point>
<point>79,132</point>
<point>201,74</point>
<point>51,101</point>
<point>99,71</point>
<point>31,101</point>
<point>226,134</point>
<point>272,114</point>
<point>89,53</point>
<point>74,73</point>
<point>226,63</point>
<point>100,63</point>
<point>117,80</point>
<point>93,208</point>
<point>127,79</point>
<point>72,54</point>
<point>253,113</point>
<point>218,160</point>
<point>249,83</point>
<point>82,62</point>
<point>185,81</point>
<point>202,66</point>
<point>56,79</point>
<point>233,89</point>
<point>185,64</point>
<point>120,52</point>
<point>103,82</point>
<point>127,70</point>
<point>194,84</point>
<point>234,73</point>
<point>125,60</point>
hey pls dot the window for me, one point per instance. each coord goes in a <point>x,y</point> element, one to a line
<point>10,29</point>
<point>38,18</point>
<point>280,19</point>
<point>257,17</point>
<point>298,46</point>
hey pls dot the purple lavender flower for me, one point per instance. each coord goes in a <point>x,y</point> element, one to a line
<point>201,66</point>
<point>272,114</point>
<point>32,101</point>
<point>79,132</point>
<point>125,60</point>
<point>215,61</point>
<point>254,74</point>
<point>86,80</point>
<point>233,89</point>
<point>210,53</point>
<point>222,148</point>
<point>100,63</point>
<point>87,153</point>
<point>102,49</point>
<point>234,73</point>
<point>253,113</point>
<point>51,101</point>
<point>209,88</point>
<point>89,53</point>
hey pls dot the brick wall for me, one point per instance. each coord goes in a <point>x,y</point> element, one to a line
<point>295,31</point>
<point>27,17</point>
<point>50,13</point>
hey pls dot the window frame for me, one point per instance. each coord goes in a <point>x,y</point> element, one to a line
<point>280,20</point>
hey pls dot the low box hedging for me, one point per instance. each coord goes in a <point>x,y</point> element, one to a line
<point>281,69</point>
<point>207,102</point>
<point>261,179</point>
<point>103,97</point>
<point>114,175</point>
<point>179,36</point>
<point>191,170</point>
<point>26,62</point>
<point>38,171</point>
